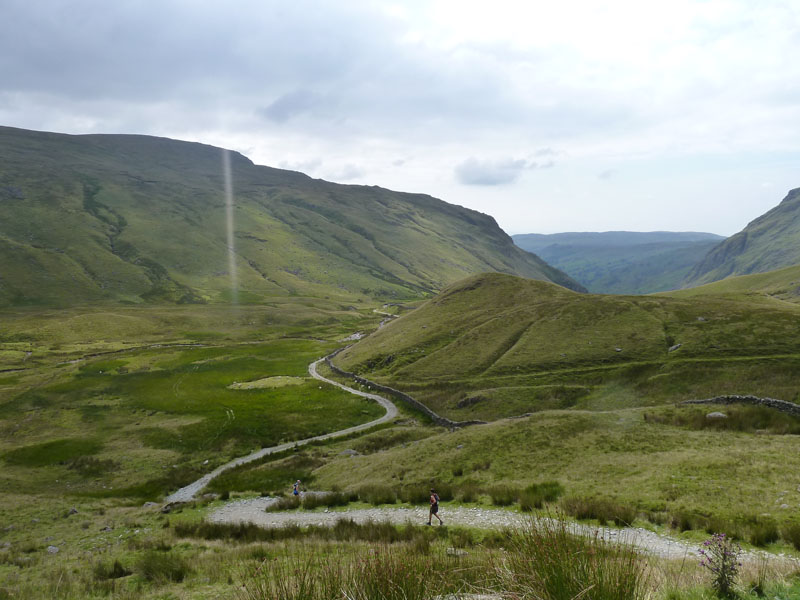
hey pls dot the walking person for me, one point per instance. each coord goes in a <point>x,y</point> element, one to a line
<point>296,488</point>
<point>434,512</point>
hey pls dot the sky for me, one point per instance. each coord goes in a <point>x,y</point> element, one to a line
<point>576,115</point>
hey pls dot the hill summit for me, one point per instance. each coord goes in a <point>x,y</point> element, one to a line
<point>130,218</point>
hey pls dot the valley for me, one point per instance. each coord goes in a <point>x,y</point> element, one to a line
<point>146,392</point>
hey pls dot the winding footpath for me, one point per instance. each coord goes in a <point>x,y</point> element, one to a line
<point>186,494</point>
<point>254,510</point>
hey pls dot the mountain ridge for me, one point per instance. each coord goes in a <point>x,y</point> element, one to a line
<point>769,242</point>
<point>134,218</point>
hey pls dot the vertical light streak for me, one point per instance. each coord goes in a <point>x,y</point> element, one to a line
<point>226,170</point>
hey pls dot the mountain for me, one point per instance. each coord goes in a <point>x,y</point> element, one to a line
<point>494,346</point>
<point>770,242</point>
<point>129,218</point>
<point>622,262</point>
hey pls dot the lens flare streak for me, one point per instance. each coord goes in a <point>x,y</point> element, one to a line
<point>227,175</point>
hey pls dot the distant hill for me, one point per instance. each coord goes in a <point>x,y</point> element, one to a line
<point>622,262</point>
<point>495,346</point>
<point>770,242</point>
<point>96,218</point>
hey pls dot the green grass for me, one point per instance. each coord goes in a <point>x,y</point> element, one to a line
<point>52,453</point>
<point>159,405</point>
<point>650,468</point>
<point>494,346</point>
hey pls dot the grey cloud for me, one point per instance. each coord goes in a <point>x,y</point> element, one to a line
<point>291,104</point>
<point>476,172</point>
<point>348,172</point>
<point>607,174</point>
<point>304,166</point>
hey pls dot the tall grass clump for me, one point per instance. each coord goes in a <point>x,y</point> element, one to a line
<point>791,534</point>
<point>383,573</point>
<point>284,503</point>
<point>601,509</point>
<point>312,501</point>
<point>377,494</point>
<point>763,531</point>
<point>162,567</point>
<point>535,495</point>
<point>547,562</point>
<point>503,495</point>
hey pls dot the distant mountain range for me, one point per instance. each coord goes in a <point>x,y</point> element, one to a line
<point>771,241</point>
<point>96,218</point>
<point>623,262</point>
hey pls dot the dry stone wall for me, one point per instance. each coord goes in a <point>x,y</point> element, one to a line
<point>781,405</point>
<point>401,396</point>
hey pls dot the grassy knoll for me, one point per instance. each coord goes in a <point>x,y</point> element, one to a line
<point>782,284</point>
<point>494,346</point>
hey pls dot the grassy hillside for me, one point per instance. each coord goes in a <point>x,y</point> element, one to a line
<point>141,219</point>
<point>770,242</point>
<point>782,284</point>
<point>494,345</point>
<point>622,262</point>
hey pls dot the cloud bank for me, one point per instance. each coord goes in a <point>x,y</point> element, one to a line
<point>682,101</point>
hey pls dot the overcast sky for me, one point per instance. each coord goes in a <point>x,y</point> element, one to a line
<point>575,115</point>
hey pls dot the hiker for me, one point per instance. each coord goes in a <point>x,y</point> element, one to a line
<point>434,508</point>
<point>296,488</point>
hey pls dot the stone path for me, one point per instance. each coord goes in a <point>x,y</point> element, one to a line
<point>253,511</point>
<point>186,494</point>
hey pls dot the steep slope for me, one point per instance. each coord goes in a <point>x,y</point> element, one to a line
<point>622,262</point>
<point>495,345</point>
<point>135,218</point>
<point>770,242</point>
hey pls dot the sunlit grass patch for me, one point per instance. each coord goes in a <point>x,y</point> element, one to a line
<point>277,381</point>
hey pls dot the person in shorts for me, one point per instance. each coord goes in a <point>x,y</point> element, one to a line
<point>434,512</point>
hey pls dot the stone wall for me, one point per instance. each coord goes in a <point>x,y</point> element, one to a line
<point>398,395</point>
<point>781,405</point>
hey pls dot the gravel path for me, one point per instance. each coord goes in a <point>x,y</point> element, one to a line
<point>252,511</point>
<point>186,494</point>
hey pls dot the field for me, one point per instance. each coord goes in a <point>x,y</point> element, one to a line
<point>104,409</point>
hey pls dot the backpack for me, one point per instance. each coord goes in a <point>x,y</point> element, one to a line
<point>436,497</point>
